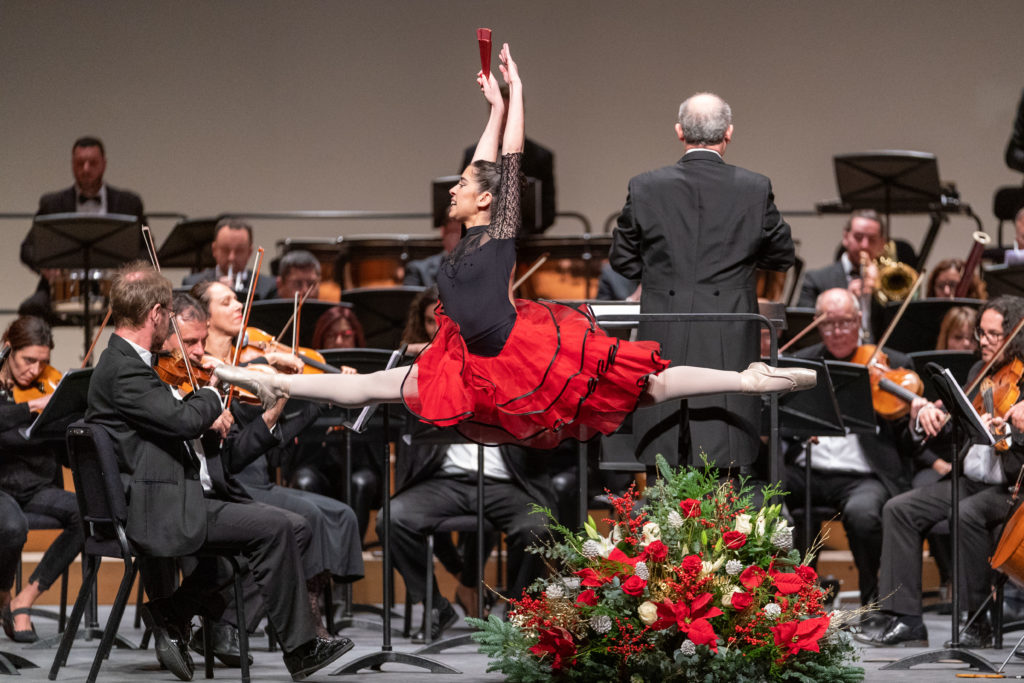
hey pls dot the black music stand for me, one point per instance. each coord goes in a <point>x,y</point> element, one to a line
<point>918,329</point>
<point>805,414</point>
<point>10,663</point>
<point>382,312</point>
<point>387,654</point>
<point>958,362</point>
<point>1004,279</point>
<point>965,422</point>
<point>67,404</point>
<point>797,318</point>
<point>86,241</point>
<point>364,361</point>
<point>270,315</point>
<point>188,245</point>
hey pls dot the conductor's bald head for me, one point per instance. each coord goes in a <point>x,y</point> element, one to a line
<point>705,120</point>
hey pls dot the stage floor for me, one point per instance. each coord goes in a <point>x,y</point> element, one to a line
<point>131,666</point>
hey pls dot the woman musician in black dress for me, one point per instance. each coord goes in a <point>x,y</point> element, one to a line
<point>28,475</point>
<point>513,371</point>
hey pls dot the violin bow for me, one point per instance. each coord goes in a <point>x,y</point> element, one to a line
<point>147,235</point>
<point>295,313</point>
<point>257,263</point>
<point>88,354</point>
<point>896,318</point>
<point>533,269</point>
<point>802,333</point>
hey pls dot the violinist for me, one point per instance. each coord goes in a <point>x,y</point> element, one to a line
<point>855,473</point>
<point>983,503</point>
<point>29,472</point>
<point>335,550</point>
<point>178,501</point>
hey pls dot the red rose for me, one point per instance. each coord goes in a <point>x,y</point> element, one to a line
<point>806,573</point>
<point>691,507</point>
<point>634,586</point>
<point>734,540</point>
<point>656,550</point>
<point>752,577</point>
<point>691,564</point>
<point>587,597</point>
<point>741,600</point>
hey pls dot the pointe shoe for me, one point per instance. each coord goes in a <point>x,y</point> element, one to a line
<point>761,378</point>
<point>265,385</point>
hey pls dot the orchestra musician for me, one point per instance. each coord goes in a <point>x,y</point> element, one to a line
<point>180,500</point>
<point>29,472</point>
<point>983,504</point>
<point>298,272</point>
<point>855,473</point>
<point>232,249</point>
<point>212,320</point>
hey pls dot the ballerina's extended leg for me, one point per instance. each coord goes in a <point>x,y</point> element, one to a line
<point>350,391</point>
<point>687,381</point>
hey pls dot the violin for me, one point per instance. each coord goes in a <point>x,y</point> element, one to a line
<point>256,343</point>
<point>45,384</point>
<point>170,366</point>
<point>1000,392</point>
<point>892,389</point>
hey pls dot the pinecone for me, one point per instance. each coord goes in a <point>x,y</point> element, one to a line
<point>591,549</point>
<point>783,539</point>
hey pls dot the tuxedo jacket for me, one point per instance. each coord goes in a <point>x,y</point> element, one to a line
<point>149,426</point>
<point>423,272</point>
<point>821,279</point>
<point>887,451</point>
<point>693,234</point>
<point>266,286</point>
<point>65,201</point>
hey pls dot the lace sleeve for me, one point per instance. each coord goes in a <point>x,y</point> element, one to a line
<point>506,217</point>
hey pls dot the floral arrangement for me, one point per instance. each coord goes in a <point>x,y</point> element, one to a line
<point>692,584</point>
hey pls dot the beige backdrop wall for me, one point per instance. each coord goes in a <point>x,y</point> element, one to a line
<point>210,107</point>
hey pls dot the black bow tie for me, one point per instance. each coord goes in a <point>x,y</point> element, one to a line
<point>82,199</point>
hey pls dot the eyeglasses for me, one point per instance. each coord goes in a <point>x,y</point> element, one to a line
<point>994,337</point>
<point>830,327</point>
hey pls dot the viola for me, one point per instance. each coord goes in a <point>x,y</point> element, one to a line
<point>45,384</point>
<point>892,389</point>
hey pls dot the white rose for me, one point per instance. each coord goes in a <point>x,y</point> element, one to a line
<point>651,532</point>
<point>648,612</point>
<point>743,524</point>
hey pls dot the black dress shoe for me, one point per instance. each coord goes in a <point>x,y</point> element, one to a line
<point>443,618</point>
<point>897,634</point>
<point>225,645</point>
<point>171,641</point>
<point>870,625</point>
<point>977,635</point>
<point>315,655</point>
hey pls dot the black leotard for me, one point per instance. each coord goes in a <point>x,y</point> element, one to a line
<point>473,281</point>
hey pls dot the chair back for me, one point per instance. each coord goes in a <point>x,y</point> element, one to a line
<point>98,486</point>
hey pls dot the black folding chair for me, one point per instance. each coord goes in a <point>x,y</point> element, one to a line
<point>101,500</point>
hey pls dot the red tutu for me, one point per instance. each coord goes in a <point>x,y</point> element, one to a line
<point>558,377</point>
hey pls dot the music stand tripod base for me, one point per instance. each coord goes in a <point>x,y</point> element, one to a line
<point>10,663</point>
<point>975,661</point>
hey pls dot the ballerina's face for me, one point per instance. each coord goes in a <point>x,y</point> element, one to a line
<point>465,196</point>
<point>225,309</point>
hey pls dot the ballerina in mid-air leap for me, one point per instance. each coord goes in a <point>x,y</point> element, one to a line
<point>506,370</point>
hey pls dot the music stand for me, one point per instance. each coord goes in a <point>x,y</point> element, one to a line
<point>382,312</point>
<point>965,422</point>
<point>1004,279</point>
<point>67,404</point>
<point>804,414</point>
<point>386,653</point>
<point>958,362</point>
<point>894,180</point>
<point>270,315</point>
<point>918,329</point>
<point>86,241</point>
<point>188,245</point>
<point>797,318</point>
<point>10,663</point>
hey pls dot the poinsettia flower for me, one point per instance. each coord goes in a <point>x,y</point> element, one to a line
<point>691,619</point>
<point>634,586</point>
<point>690,507</point>
<point>734,540</point>
<point>617,555</point>
<point>587,597</point>
<point>558,643</point>
<point>751,577</point>
<point>793,636</point>
<point>785,583</point>
<point>590,577</point>
<point>656,551</point>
